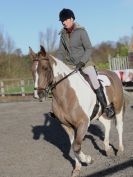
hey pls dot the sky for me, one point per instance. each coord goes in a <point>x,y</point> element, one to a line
<point>104,20</point>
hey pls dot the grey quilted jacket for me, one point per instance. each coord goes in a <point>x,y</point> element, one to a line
<point>74,47</point>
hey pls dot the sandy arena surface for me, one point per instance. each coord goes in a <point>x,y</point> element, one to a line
<point>32,144</point>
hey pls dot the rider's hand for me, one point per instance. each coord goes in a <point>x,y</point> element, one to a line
<point>80,65</point>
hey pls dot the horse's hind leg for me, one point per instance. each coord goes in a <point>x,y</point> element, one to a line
<point>119,126</point>
<point>107,126</point>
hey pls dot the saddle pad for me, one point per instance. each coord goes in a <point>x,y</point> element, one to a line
<point>104,80</point>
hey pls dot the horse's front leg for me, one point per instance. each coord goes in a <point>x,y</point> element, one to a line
<point>71,134</point>
<point>80,157</point>
<point>107,126</point>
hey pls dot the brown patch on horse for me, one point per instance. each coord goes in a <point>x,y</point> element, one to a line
<point>65,101</point>
<point>66,107</point>
<point>42,55</point>
<point>64,97</point>
<point>115,90</point>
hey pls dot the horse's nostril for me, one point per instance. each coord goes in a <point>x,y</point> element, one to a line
<point>41,94</point>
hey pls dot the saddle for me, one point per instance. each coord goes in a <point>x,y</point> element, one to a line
<point>102,78</point>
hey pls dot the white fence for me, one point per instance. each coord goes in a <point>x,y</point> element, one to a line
<point>21,87</point>
<point>118,63</point>
<point>122,67</point>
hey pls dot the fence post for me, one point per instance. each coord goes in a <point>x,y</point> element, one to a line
<point>2,88</point>
<point>109,60</point>
<point>22,87</point>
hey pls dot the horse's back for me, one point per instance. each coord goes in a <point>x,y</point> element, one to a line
<point>115,90</point>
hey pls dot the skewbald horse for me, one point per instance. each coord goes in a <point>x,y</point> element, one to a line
<point>74,100</point>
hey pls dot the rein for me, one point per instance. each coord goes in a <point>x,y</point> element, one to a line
<point>51,86</point>
<point>56,83</point>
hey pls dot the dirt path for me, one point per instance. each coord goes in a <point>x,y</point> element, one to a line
<point>32,144</point>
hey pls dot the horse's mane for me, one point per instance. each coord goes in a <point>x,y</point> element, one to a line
<point>65,69</point>
<point>62,66</point>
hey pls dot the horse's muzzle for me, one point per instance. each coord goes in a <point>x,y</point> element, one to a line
<point>41,93</point>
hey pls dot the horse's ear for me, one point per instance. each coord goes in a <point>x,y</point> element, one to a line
<point>42,50</point>
<point>31,53</point>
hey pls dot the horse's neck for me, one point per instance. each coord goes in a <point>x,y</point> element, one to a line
<point>60,68</point>
<point>76,80</point>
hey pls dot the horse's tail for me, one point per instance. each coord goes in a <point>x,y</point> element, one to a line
<point>127,98</point>
<point>125,104</point>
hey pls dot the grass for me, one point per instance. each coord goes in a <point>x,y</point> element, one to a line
<point>16,90</point>
<point>14,87</point>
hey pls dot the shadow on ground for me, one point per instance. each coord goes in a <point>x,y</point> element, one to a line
<point>112,170</point>
<point>53,132</point>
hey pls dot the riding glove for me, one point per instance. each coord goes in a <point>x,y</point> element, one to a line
<point>80,65</point>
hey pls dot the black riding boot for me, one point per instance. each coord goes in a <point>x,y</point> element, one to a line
<point>108,109</point>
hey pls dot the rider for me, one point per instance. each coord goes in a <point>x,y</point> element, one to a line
<point>75,49</point>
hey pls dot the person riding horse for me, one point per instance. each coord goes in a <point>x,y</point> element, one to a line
<point>75,49</point>
<point>74,102</point>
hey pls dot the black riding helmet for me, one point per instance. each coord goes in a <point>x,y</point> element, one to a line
<point>66,14</point>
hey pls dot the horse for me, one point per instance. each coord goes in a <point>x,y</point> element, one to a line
<point>34,71</point>
<point>74,102</point>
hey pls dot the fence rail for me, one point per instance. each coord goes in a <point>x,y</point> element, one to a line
<point>21,87</point>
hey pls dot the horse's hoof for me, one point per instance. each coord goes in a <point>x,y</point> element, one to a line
<point>89,160</point>
<point>120,153</point>
<point>36,96</point>
<point>110,152</point>
<point>75,173</point>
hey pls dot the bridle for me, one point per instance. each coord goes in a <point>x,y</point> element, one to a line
<point>52,85</point>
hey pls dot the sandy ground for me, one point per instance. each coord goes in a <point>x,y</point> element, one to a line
<point>32,144</point>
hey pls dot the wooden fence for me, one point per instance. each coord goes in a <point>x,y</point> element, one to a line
<point>20,87</point>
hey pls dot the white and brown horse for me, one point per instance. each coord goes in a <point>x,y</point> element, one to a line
<point>74,101</point>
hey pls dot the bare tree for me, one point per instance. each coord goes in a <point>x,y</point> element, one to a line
<point>9,45</point>
<point>125,40</point>
<point>2,42</point>
<point>41,38</point>
<point>18,52</point>
<point>6,43</point>
<point>48,39</point>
